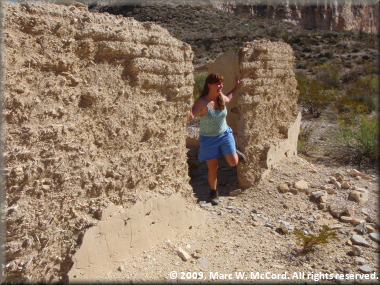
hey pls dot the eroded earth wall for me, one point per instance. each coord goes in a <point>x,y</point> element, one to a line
<point>269,120</point>
<point>94,112</point>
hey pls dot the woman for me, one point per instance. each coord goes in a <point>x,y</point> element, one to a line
<point>215,137</point>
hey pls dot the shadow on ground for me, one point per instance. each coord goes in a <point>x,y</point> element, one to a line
<point>227,176</point>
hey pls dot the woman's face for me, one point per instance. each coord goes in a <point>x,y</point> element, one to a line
<point>216,88</point>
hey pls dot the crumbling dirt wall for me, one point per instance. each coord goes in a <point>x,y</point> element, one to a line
<point>94,112</point>
<point>269,120</point>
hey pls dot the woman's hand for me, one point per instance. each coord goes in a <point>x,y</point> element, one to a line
<point>238,82</point>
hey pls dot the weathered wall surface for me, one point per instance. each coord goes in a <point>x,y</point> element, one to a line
<point>268,121</point>
<point>94,112</point>
<point>327,15</point>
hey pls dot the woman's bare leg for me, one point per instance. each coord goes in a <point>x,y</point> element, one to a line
<point>212,172</point>
<point>232,159</point>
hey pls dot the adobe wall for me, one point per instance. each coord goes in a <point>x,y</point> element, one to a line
<point>94,113</point>
<point>269,121</point>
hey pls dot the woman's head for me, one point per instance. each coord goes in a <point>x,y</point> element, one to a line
<point>211,79</point>
<point>214,79</point>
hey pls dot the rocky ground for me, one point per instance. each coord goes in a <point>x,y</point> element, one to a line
<point>251,231</point>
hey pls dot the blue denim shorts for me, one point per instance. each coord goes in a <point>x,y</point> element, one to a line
<point>212,147</point>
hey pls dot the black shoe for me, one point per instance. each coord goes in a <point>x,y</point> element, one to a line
<point>242,156</point>
<point>214,197</point>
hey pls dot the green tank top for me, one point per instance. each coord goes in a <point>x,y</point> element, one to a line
<point>213,123</point>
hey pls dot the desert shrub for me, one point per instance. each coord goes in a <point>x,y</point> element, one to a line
<point>308,242</point>
<point>323,59</point>
<point>199,81</point>
<point>327,54</point>
<point>312,94</point>
<point>301,65</point>
<point>360,92</point>
<point>348,64</point>
<point>328,75</point>
<point>356,135</point>
<point>304,144</point>
<point>306,49</point>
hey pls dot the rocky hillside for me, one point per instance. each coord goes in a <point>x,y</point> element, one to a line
<point>336,16</point>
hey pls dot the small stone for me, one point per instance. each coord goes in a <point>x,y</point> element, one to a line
<point>121,268</point>
<point>284,228</point>
<point>202,262</point>
<point>354,172</point>
<point>359,261</point>
<point>338,176</point>
<point>346,219</point>
<point>356,250</point>
<point>255,218</point>
<point>375,237</point>
<point>206,205</point>
<point>361,228</point>
<point>332,180</point>
<point>330,190</point>
<point>366,269</point>
<point>293,191</point>
<point>346,185</point>
<point>283,188</point>
<point>183,254</point>
<point>196,255</point>
<point>256,224</point>
<point>356,221</point>
<point>323,206</point>
<point>359,240</point>
<point>318,194</point>
<point>337,185</point>
<point>236,192</point>
<point>336,226</point>
<point>337,210</point>
<point>301,185</point>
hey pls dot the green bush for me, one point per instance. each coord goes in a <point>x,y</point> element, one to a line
<point>199,81</point>
<point>308,242</point>
<point>301,65</point>
<point>312,94</point>
<point>328,75</point>
<point>358,136</point>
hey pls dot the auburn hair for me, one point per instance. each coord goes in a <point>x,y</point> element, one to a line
<point>212,79</point>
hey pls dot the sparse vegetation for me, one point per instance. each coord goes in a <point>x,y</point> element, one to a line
<point>357,138</point>
<point>199,81</point>
<point>308,242</point>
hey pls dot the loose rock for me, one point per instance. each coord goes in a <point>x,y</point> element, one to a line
<point>183,254</point>
<point>356,250</point>
<point>301,185</point>
<point>375,237</point>
<point>359,240</point>
<point>283,188</point>
<point>366,269</point>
